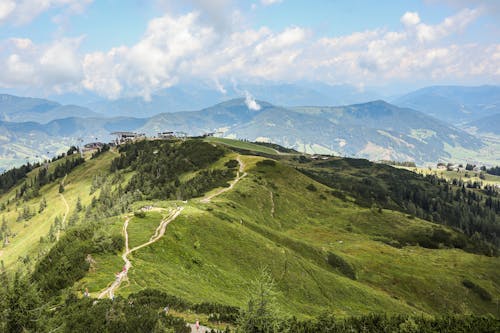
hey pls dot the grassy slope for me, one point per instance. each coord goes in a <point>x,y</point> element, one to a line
<point>212,251</point>
<point>243,145</point>
<point>466,176</point>
<point>27,239</point>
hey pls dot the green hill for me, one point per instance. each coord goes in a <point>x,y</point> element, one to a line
<point>337,236</point>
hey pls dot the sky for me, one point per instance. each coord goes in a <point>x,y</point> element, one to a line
<point>123,48</point>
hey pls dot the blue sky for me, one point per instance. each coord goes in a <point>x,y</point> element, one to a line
<point>115,48</point>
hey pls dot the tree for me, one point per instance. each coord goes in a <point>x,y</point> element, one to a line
<point>262,314</point>
<point>43,205</point>
<point>79,206</point>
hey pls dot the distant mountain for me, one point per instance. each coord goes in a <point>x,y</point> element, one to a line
<point>486,125</point>
<point>454,104</point>
<point>197,95</point>
<point>376,130</point>
<point>30,140</point>
<point>23,109</point>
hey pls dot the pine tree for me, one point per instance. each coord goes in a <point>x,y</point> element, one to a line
<point>43,205</point>
<point>79,206</point>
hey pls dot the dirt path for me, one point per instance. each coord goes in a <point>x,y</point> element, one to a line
<point>240,174</point>
<point>203,329</point>
<point>160,231</point>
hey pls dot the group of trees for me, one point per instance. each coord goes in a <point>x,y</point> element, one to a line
<point>12,177</point>
<point>474,212</point>
<point>158,166</point>
<point>494,171</point>
<point>31,188</point>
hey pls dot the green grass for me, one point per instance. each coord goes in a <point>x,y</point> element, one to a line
<point>212,251</point>
<point>140,230</point>
<point>243,145</point>
<point>26,241</point>
<point>465,176</point>
<point>271,219</point>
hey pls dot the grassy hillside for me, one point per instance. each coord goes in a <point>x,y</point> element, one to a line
<point>324,250</point>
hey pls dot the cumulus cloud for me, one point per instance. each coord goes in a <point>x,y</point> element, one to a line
<point>453,24</point>
<point>166,50</point>
<point>178,47</point>
<point>6,9</point>
<point>56,66</point>
<point>410,19</point>
<point>23,11</point>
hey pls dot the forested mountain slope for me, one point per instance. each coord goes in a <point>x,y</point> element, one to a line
<point>330,235</point>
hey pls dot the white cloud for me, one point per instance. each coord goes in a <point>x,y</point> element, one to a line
<point>24,11</point>
<point>453,24</point>
<point>55,66</point>
<point>6,8</point>
<point>166,49</point>
<point>270,2</point>
<point>410,19</point>
<point>175,48</point>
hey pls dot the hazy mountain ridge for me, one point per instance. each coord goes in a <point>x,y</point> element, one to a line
<point>489,124</point>
<point>374,130</point>
<point>195,96</point>
<point>24,109</point>
<point>454,104</point>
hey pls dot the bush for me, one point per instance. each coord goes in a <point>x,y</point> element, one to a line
<point>480,291</point>
<point>311,188</point>
<point>231,164</point>
<point>140,214</point>
<point>266,162</point>
<point>341,265</point>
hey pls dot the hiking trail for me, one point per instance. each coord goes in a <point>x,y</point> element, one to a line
<point>239,175</point>
<point>160,231</point>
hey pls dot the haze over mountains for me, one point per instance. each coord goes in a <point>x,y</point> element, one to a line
<point>419,126</point>
<point>454,104</point>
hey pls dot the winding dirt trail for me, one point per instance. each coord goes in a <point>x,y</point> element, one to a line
<point>241,173</point>
<point>160,231</point>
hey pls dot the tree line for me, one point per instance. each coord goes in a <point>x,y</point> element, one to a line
<point>475,212</point>
<point>158,166</point>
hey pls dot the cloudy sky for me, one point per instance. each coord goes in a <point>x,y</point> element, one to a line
<point>116,48</point>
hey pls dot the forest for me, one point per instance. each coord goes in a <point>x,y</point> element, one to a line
<point>159,164</point>
<point>474,211</point>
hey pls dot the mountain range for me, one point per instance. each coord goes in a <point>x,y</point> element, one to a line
<point>25,109</point>
<point>454,104</point>
<point>375,130</point>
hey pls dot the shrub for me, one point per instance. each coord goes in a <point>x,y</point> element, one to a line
<point>266,162</point>
<point>341,265</point>
<point>311,188</point>
<point>140,214</point>
<point>480,291</point>
<point>231,164</point>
